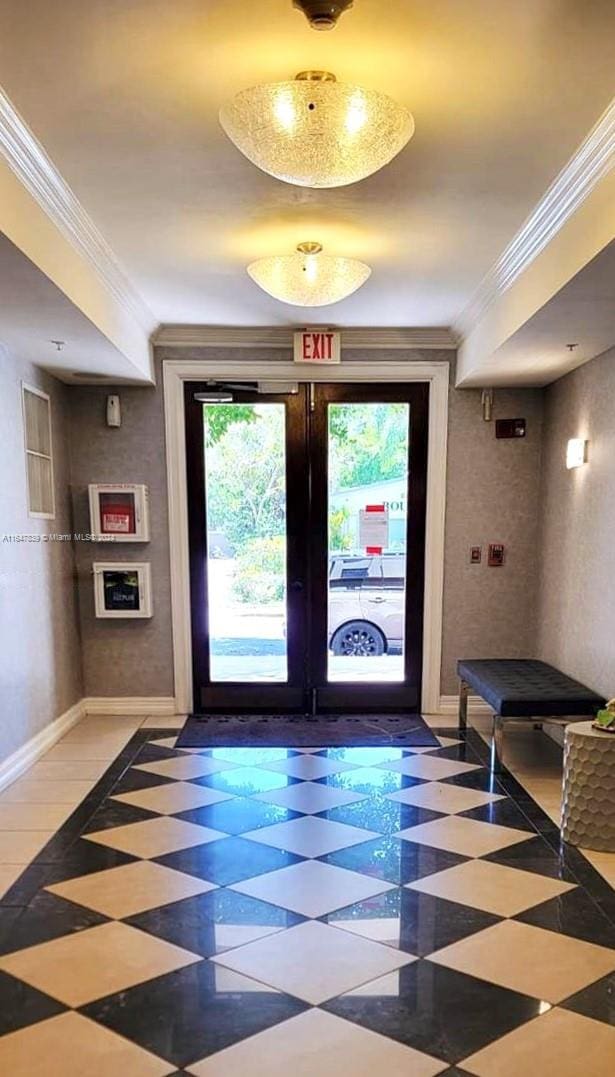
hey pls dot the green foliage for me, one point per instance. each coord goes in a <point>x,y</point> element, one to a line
<point>260,570</point>
<point>245,476</point>
<point>218,417</point>
<point>340,535</point>
<point>368,443</point>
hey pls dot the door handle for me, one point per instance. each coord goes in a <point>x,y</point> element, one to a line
<point>296,585</point>
<point>377,598</point>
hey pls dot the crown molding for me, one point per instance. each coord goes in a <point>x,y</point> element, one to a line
<point>586,168</point>
<point>207,336</point>
<point>28,160</point>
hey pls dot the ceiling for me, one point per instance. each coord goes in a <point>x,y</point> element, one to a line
<point>124,96</point>
<point>581,314</point>
<point>36,314</point>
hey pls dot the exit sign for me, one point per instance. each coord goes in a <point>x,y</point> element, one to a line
<point>317,346</point>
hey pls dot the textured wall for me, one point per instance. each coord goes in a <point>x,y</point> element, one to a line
<point>123,657</point>
<point>577,594</point>
<point>40,662</point>
<point>492,496</point>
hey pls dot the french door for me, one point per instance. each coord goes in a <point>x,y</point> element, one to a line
<point>307,532</point>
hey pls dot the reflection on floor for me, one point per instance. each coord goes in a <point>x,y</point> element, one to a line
<point>242,911</point>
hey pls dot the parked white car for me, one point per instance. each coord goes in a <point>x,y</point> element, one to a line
<point>366,603</point>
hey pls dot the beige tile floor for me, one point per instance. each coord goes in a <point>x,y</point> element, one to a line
<point>34,806</point>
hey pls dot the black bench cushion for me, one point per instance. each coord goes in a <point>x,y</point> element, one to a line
<point>520,688</point>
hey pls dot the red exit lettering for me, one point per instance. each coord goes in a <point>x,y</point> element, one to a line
<point>317,346</point>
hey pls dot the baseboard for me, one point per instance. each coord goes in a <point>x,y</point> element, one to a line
<point>131,706</point>
<point>476,706</point>
<point>33,749</point>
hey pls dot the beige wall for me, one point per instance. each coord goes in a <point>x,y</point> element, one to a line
<point>492,496</point>
<point>577,594</point>
<point>123,658</point>
<point>40,663</point>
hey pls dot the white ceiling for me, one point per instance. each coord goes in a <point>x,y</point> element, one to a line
<point>582,314</point>
<point>35,313</point>
<point>124,97</point>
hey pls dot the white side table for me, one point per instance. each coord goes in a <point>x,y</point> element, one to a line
<point>588,800</point>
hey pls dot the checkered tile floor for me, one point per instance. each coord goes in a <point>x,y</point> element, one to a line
<point>338,911</point>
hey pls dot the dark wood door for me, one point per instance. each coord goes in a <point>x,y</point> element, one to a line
<point>292,610</point>
<point>243,659</point>
<point>382,595</point>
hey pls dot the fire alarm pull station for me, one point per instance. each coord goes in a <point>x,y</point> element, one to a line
<point>510,428</point>
<point>496,554</point>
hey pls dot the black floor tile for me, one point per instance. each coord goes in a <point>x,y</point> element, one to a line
<point>533,855</point>
<point>379,814</point>
<point>246,781</point>
<point>214,922</point>
<point>47,917</point>
<point>190,1014</point>
<point>395,860</point>
<point>83,858</point>
<point>26,887</point>
<point>573,913</point>
<point>21,1005</point>
<point>463,753</point>
<point>502,813</point>
<point>114,813</point>
<point>481,779</point>
<point>8,916</point>
<point>132,780</point>
<point>444,1013</point>
<point>597,1000</point>
<point>372,781</point>
<point>416,923</point>
<point>229,860</point>
<point>238,815</point>
<point>152,753</point>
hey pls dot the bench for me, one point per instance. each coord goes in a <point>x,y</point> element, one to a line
<point>522,689</point>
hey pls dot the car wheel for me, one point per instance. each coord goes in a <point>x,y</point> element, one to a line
<point>358,638</point>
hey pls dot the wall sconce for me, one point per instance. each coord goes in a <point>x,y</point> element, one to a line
<point>576,453</point>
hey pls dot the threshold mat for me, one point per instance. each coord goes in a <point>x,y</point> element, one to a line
<point>305,731</point>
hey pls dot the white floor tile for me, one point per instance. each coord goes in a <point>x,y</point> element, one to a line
<point>309,836</point>
<point>313,1043</point>
<point>309,797</point>
<point>313,961</point>
<point>312,888</point>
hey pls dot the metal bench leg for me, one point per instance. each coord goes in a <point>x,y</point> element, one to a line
<point>497,745</point>
<point>464,690</point>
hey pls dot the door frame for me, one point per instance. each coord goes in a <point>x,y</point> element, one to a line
<point>177,371</point>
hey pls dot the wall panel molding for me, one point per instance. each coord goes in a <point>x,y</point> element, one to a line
<point>208,336</point>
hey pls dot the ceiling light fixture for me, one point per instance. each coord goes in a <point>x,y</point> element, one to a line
<point>322,14</point>
<point>309,278</point>
<point>314,131</point>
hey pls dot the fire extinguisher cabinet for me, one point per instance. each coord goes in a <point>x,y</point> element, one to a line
<point>119,512</point>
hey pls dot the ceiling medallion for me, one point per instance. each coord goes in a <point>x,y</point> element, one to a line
<point>309,278</point>
<point>314,131</point>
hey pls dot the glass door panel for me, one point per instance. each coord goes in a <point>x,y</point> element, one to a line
<point>245,483</point>
<point>367,524</point>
